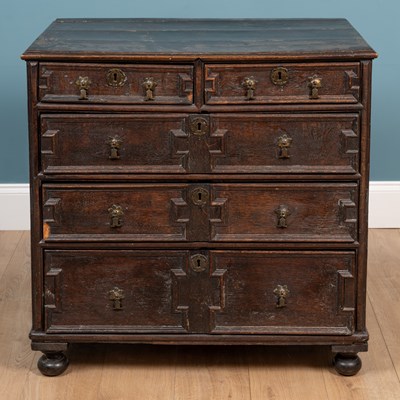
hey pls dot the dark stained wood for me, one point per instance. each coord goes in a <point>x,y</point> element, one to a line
<point>57,83</point>
<point>182,39</point>
<point>320,143</point>
<point>78,285</point>
<point>324,281</point>
<point>80,144</point>
<point>234,143</point>
<point>317,212</point>
<point>216,212</point>
<point>224,83</point>
<point>150,212</point>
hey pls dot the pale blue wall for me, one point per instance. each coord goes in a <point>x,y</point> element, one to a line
<point>22,21</point>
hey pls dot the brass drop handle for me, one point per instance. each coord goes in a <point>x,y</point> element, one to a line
<point>83,83</point>
<point>149,85</point>
<point>284,142</point>
<point>282,212</point>
<point>116,295</point>
<point>314,84</point>
<point>116,213</point>
<point>281,292</point>
<point>250,85</point>
<point>115,144</point>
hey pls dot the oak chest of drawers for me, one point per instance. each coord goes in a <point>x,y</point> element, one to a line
<point>199,182</point>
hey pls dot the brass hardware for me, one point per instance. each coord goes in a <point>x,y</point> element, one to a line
<point>282,213</point>
<point>115,77</point>
<point>83,83</point>
<point>116,214</point>
<point>198,262</point>
<point>149,85</point>
<point>279,76</point>
<point>250,86</point>
<point>200,196</point>
<point>281,292</point>
<point>115,144</point>
<point>314,85</point>
<point>284,143</point>
<point>198,126</point>
<point>116,295</point>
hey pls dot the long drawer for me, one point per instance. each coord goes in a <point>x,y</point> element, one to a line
<point>307,143</point>
<point>218,292</point>
<point>271,212</point>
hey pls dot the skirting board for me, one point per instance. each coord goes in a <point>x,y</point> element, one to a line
<point>384,200</point>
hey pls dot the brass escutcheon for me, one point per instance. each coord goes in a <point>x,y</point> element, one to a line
<point>116,295</point>
<point>279,76</point>
<point>200,196</point>
<point>198,262</point>
<point>281,292</point>
<point>115,77</point>
<point>198,126</point>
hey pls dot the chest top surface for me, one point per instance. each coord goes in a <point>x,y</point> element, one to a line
<point>184,39</point>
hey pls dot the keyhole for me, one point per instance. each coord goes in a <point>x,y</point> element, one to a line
<point>199,195</point>
<point>279,75</point>
<point>199,126</point>
<point>115,77</point>
<point>198,263</point>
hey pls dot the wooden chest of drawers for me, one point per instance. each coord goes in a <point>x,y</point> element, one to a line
<point>199,182</point>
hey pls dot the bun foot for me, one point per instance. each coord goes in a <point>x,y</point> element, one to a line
<point>53,364</point>
<point>347,364</point>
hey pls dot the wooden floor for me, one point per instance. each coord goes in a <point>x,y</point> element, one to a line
<point>119,372</point>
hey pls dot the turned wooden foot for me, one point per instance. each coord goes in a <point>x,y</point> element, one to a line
<point>347,364</point>
<point>53,363</point>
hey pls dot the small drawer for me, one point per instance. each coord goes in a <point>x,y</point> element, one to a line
<point>116,84</point>
<point>113,291</point>
<point>289,292</point>
<point>252,84</point>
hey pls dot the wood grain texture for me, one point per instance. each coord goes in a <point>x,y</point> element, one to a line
<point>209,184</point>
<point>137,38</point>
<point>112,372</point>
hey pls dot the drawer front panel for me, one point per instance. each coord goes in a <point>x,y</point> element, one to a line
<point>278,212</point>
<point>228,143</point>
<point>113,291</point>
<point>285,83</point>
<point>284,143</point>
<point>130,84</point>
<point>308,212</point>
<point>285,292</point>
<point>113,143</point>
<point>114,212</point>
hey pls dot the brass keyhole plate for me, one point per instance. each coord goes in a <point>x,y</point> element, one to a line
<point>198,126</point>
<point>198,262</point>
<point>279,76</point>
<point>200,196</point>
<point>115,77</point>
